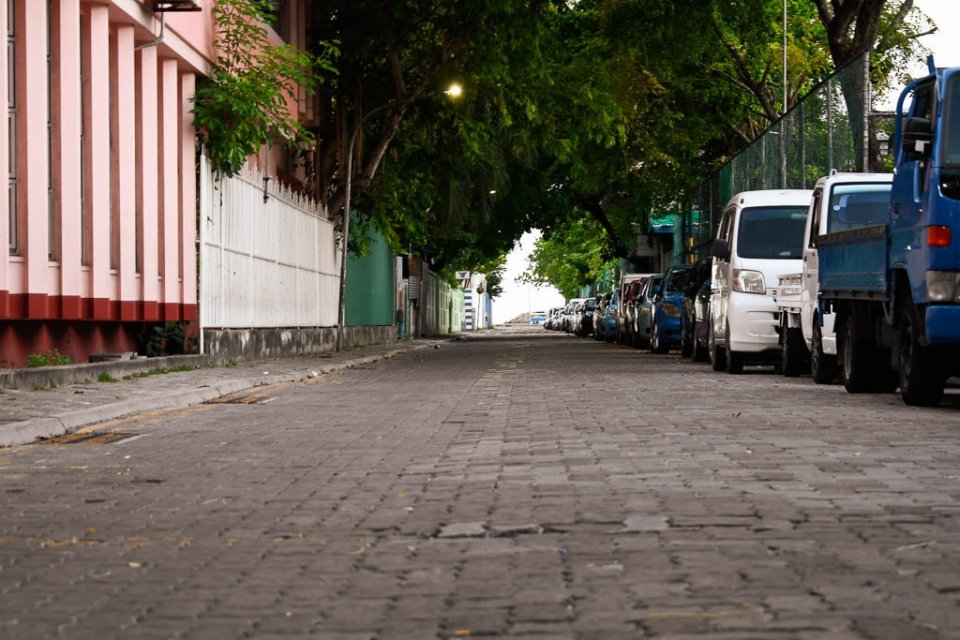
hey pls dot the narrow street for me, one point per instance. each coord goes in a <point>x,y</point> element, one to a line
<point>517,484</point>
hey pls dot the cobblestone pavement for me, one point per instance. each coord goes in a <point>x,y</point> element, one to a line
<point>513,485</point>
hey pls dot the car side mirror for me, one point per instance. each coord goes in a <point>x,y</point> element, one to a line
<point>721,249</point>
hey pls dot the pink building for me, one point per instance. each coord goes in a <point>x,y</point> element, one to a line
<point>101,156</point>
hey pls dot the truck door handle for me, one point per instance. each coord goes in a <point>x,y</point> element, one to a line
<point>896,208</point>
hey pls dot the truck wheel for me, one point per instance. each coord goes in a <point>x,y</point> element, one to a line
<point>920,382</point>
<point>734,358</point>
<point>792,356</point>
<point>822,366</point>
<point>718,357</point>
<point>858,360</point>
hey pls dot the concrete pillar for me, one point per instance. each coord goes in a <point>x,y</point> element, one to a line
<point>67,151</point>
<point>34,154</point>
<point>148,191</point>
<point>123,125</point>
<point>96,60</point>
<point>169,188</point>
<point>4,172</point>
<point>188,198</point>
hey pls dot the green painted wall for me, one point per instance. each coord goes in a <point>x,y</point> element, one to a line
<point>370,283</point>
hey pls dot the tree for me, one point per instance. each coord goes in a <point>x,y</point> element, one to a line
<point>243,104</point>
<point>889,29</point>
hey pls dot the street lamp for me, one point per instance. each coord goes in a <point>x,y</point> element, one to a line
<point>453,91</point>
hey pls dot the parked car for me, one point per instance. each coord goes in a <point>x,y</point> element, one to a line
<point>568,323</point>
<point>668,304</point>
<point>626,312</point>
<point>759,238</point>
<point>605,319</point>
<point>583,317</point>
<point>700,274</point>
<point>701,323</point>
<point>644,310</point>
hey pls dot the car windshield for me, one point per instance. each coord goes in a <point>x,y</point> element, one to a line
<point>951,152</point>
<point>858,205</point>
<point>680,280</point>
<point>772,233</point>
<point>652,286</point>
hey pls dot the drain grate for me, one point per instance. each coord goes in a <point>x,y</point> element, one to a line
<point>246,399</point>
<point>93,437</point>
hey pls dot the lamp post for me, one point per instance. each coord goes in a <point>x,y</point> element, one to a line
<point>454,91</point>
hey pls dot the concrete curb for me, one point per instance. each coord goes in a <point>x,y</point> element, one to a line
<point>45,427</point>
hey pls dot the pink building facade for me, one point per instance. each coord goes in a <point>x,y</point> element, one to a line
<point>100,221</point>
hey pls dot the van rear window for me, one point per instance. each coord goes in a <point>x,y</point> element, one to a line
<point>951,152</point>
<point>771,233</point>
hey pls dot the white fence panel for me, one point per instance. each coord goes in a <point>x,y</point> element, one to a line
<point>268,257</point>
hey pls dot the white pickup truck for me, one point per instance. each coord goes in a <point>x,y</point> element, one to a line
<point>840,201</point>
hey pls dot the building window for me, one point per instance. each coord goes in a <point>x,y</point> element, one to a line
<point>12,123</point>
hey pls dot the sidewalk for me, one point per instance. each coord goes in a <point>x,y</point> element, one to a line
<point>28,415</point>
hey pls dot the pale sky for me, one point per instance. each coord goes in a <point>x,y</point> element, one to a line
<point>519,298</point>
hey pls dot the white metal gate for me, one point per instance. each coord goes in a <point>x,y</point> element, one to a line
<point>267,258</point>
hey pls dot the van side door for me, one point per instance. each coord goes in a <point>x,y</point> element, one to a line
<point>809,279</point>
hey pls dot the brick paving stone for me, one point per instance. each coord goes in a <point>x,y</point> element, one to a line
<point>489,487</point>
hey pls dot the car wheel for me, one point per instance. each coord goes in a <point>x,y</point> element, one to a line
<point>734,358</point>
<point>920,382</point>
<point>718,357</point>
<point>686,343</point>
<point>823,366</point>
<point>792,356</point>
<point>657,343</point>
<point>699,350</point>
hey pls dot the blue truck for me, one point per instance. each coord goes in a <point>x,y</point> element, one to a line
<point>895,286</point>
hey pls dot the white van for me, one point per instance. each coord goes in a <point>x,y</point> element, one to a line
<point>759,238</point>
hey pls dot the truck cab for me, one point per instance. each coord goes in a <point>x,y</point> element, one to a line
<point>895,287</point>
<point>841,202</point>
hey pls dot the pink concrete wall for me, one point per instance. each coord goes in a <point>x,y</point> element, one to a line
<point>106,220</point>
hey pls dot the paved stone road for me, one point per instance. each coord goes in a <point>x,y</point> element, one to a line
<point>528,485</point>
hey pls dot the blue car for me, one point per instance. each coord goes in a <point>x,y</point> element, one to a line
<point>668,305</point>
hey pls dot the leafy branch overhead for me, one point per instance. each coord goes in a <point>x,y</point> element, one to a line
<point>244,103</point>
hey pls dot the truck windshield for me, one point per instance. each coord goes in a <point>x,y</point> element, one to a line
<point>858,205</point>
<point>951,151</point>
<point>771,233</point>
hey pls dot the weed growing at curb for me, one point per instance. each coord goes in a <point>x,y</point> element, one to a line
<point>106,377</point>
<point>51,358</point>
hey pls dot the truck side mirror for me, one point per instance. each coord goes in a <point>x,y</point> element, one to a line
<point>721,249</point>
<point>917,135</point>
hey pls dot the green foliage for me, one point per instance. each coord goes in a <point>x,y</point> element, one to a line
<point>159,371</point>
<point>244,102</point>
<point>106,377</point>
<point>570,257</point>
<point>166,339</point>
<point>51,358</point>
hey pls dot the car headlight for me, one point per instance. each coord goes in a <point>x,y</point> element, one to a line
<point>671,309</point>
<point>943,286</point>
<point>747,281</point>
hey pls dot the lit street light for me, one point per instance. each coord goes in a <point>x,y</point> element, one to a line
<point>455,90</point>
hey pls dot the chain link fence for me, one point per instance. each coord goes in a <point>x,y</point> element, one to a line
<point>827,130</point>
